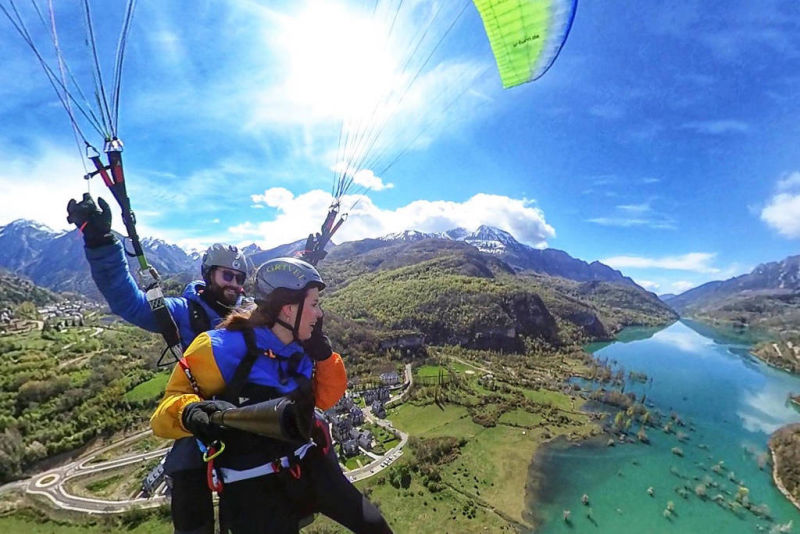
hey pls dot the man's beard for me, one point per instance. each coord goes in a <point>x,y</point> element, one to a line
<point>227,296</point>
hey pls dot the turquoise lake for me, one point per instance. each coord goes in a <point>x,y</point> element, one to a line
<point>730,403</point>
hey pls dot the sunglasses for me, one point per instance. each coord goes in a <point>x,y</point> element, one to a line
<point>229,276</point>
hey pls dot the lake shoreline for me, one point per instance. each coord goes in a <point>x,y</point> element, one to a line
<point>552,489</point>
<point>779,483</point>
<point>539,477</point>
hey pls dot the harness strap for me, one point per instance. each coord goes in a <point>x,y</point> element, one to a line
<point>184,365</point>
<point>198,317</point>
<point>275,466</point>
<point>234,387</point>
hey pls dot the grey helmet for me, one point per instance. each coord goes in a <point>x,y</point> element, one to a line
<point>221,255</point>
<point>287,273</point>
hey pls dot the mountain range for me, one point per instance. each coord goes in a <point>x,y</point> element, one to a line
<point>55,260</point>
<point>778,277</point>
<point>767,298</point>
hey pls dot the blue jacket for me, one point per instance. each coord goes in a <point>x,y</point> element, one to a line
<point>110,274</point>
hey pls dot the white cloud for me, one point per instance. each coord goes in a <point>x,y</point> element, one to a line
<point>302,214</point>
<point>38,185</point>
<point>366,178</point>
<point>790,182</point>
<point>693,261</point>
<point>274,197</point>
<point>782,211</point>
<point>716,127</point>
<point>627,222</point>
<point>363,177</point>
<point>633,215</point>
<point>644,207</point>
<point>783,214</point>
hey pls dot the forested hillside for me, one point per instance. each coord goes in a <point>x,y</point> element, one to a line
<point>466,299</point>
<point>58,390</point>
<point>15,290</point>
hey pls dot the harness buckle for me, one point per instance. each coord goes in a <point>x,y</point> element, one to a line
<point>276,465</point>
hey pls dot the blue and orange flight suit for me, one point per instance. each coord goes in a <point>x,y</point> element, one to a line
<point>259,495</point>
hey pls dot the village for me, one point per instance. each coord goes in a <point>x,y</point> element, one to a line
<point>346,417</point>
<point>63,314</point>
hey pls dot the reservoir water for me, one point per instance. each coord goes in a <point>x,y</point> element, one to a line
<point>729,403</point>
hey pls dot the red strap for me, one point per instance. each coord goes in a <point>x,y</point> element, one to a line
<point>102,170</point>
<point>213,481</point>
<point>184,365</point>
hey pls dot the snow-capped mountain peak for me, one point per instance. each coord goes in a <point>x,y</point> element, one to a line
<point>490,239</point>
<point>25,224</point>
<point>409,235</point>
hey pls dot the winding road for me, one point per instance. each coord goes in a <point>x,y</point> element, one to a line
<point>52,484</point>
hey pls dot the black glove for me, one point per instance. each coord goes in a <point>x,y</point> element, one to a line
<point>318,346</point>
<point>196,418</point>
<point>94,222</point>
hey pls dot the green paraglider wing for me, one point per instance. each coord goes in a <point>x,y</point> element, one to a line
<point>526,35</point>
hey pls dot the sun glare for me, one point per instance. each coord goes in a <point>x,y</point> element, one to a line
<point>339,62</point>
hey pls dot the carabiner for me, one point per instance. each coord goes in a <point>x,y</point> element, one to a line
<point>214,452</point>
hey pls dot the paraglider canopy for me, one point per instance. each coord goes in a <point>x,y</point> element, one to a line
<point>526,35</point>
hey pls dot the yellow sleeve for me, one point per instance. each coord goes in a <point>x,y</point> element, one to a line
<point>330,381</point>
<point>166,420</point>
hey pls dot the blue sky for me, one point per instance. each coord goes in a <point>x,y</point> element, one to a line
<point>663,141</point>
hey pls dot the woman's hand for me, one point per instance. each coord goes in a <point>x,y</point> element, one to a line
<point>196,418</point>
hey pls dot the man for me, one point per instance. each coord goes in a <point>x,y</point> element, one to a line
<point>223,269</point>
<point>203,305</point>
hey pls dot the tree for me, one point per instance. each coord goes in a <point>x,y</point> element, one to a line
<point>11,451</point>
<point>27,310</point>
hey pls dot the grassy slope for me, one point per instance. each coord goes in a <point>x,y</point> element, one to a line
<point>28,522</point>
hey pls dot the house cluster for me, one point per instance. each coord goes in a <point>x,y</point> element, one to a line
<point>390,379</point>
<point>65,313</point>
<point>345,417</point>
<point>376,400</point>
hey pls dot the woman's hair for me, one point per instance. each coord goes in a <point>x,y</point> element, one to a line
<point>266,311</point>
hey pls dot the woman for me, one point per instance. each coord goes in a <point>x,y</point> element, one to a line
<point>269,354</point>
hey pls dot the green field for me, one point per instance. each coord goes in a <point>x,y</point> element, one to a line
<point>431,370</point>
<point>139,522</point>
<point>556,399</point>
<point>357,461</point>
<point>151,389</point>
<point>431,420</point>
